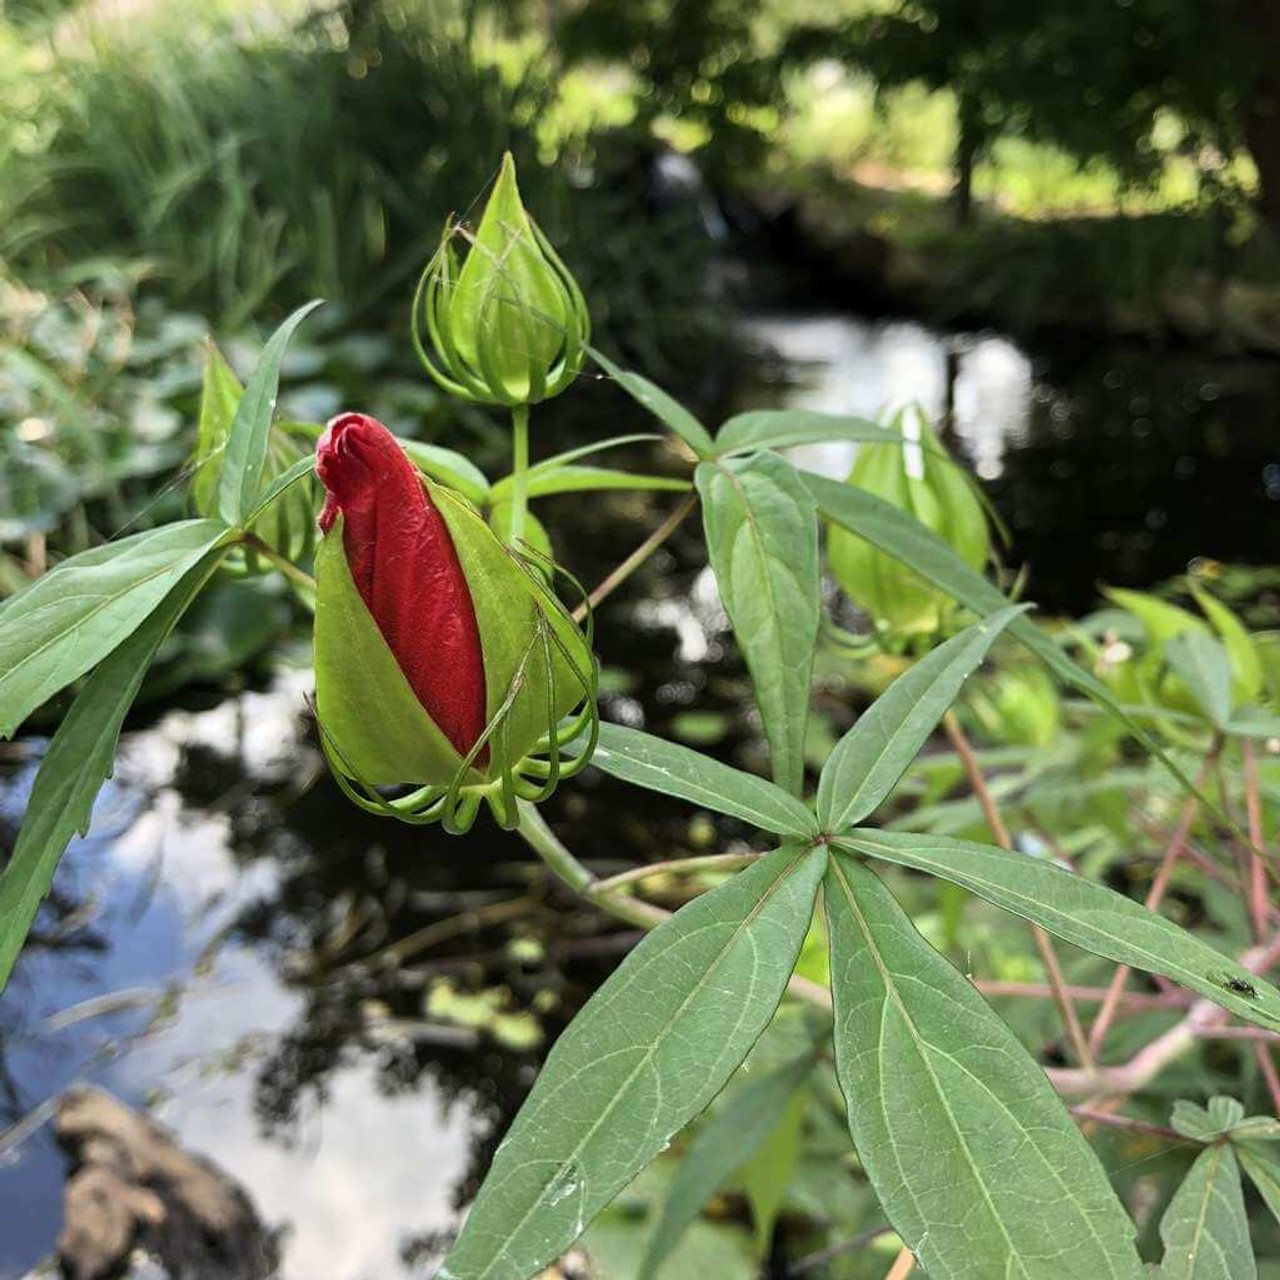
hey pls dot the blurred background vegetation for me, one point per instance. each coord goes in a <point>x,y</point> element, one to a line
<point>1055,223</point>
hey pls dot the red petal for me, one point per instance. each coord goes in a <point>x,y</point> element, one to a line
<point>405,567</point>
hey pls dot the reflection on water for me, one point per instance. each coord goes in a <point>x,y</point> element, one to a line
<point>1116,463</point>
<point>186,1013</point>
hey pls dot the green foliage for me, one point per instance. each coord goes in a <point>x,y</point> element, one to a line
<point>1083,913</point>
<point>66,622</point>
<point>657,765</point>
<point>651,1048</point>
<point>79,759</point>
<point>974,1158</point>
<point>868,761</point>
<point>762,541</point>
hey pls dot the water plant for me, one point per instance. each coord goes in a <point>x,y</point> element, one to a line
<point>979,1166</point>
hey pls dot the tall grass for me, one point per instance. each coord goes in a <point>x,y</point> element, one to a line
<point>252,168</point>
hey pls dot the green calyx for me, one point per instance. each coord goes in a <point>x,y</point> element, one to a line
<point>918,476</point>
<point>540,686</point>
<point>507,323</point>
<point>288,525</point>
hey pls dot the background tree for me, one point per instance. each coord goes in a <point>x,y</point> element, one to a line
<point>1090,76</point>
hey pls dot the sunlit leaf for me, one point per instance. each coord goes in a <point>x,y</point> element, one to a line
<point>245,454</point>
<point>974,1158</point>
<point>647,1053</point>
<point>662,406</point>
<point>787,428</point>
<point>1203,664</point>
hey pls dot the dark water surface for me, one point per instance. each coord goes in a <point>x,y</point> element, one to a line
<point>343,1012</point>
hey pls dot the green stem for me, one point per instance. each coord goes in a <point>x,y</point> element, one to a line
<point>542,840</point>
<point>286,566</point>
<point>519,469</point>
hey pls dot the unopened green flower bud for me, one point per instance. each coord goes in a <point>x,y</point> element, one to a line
<point>506,320</point>
<point>920,477</point>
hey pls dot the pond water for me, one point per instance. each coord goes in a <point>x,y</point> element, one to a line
<point>344,1014</point>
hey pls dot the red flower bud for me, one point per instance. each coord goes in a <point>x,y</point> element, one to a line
<point>405,567</point>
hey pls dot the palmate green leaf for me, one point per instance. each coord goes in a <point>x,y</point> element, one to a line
<point>1078,911</point>
<point>245,454</point>
<point>647,1053</point>
<point>658,765</point>
<point>973,1157</point>
<point>906,539</point>
<point>1205,1229</point>
<point>68,620</point>
<point>78,759</point>
<point>787,428</point>
<point>727,1141</point>
<point>662,406</point>
<point>1203,664</point>
<point>762,539</point>
<point>868,761</point>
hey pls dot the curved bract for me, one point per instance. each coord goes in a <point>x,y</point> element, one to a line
<point>507,321</point>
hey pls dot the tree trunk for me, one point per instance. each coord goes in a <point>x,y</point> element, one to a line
<point>968,147</point>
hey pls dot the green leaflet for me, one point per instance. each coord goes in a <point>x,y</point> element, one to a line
<point>908,540</point>
<point>220,393</point>
<point>1082,913</point>
<point>731,1136</point>
<point>868,761</point>
<point>69,620</point>
<point>973,1157</point>
<point>647,1053</point>
<point>1246,665</point>
<point>245,456</point>
<point>762,538</point>
<point>671,412</point>
<point>1204,1229</point>
<point>578,479</point>
<point>786,428</point>
<point>654,763</point>
<point>78,759</point>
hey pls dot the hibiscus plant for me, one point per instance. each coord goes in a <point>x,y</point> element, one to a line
<point>455,683</point>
